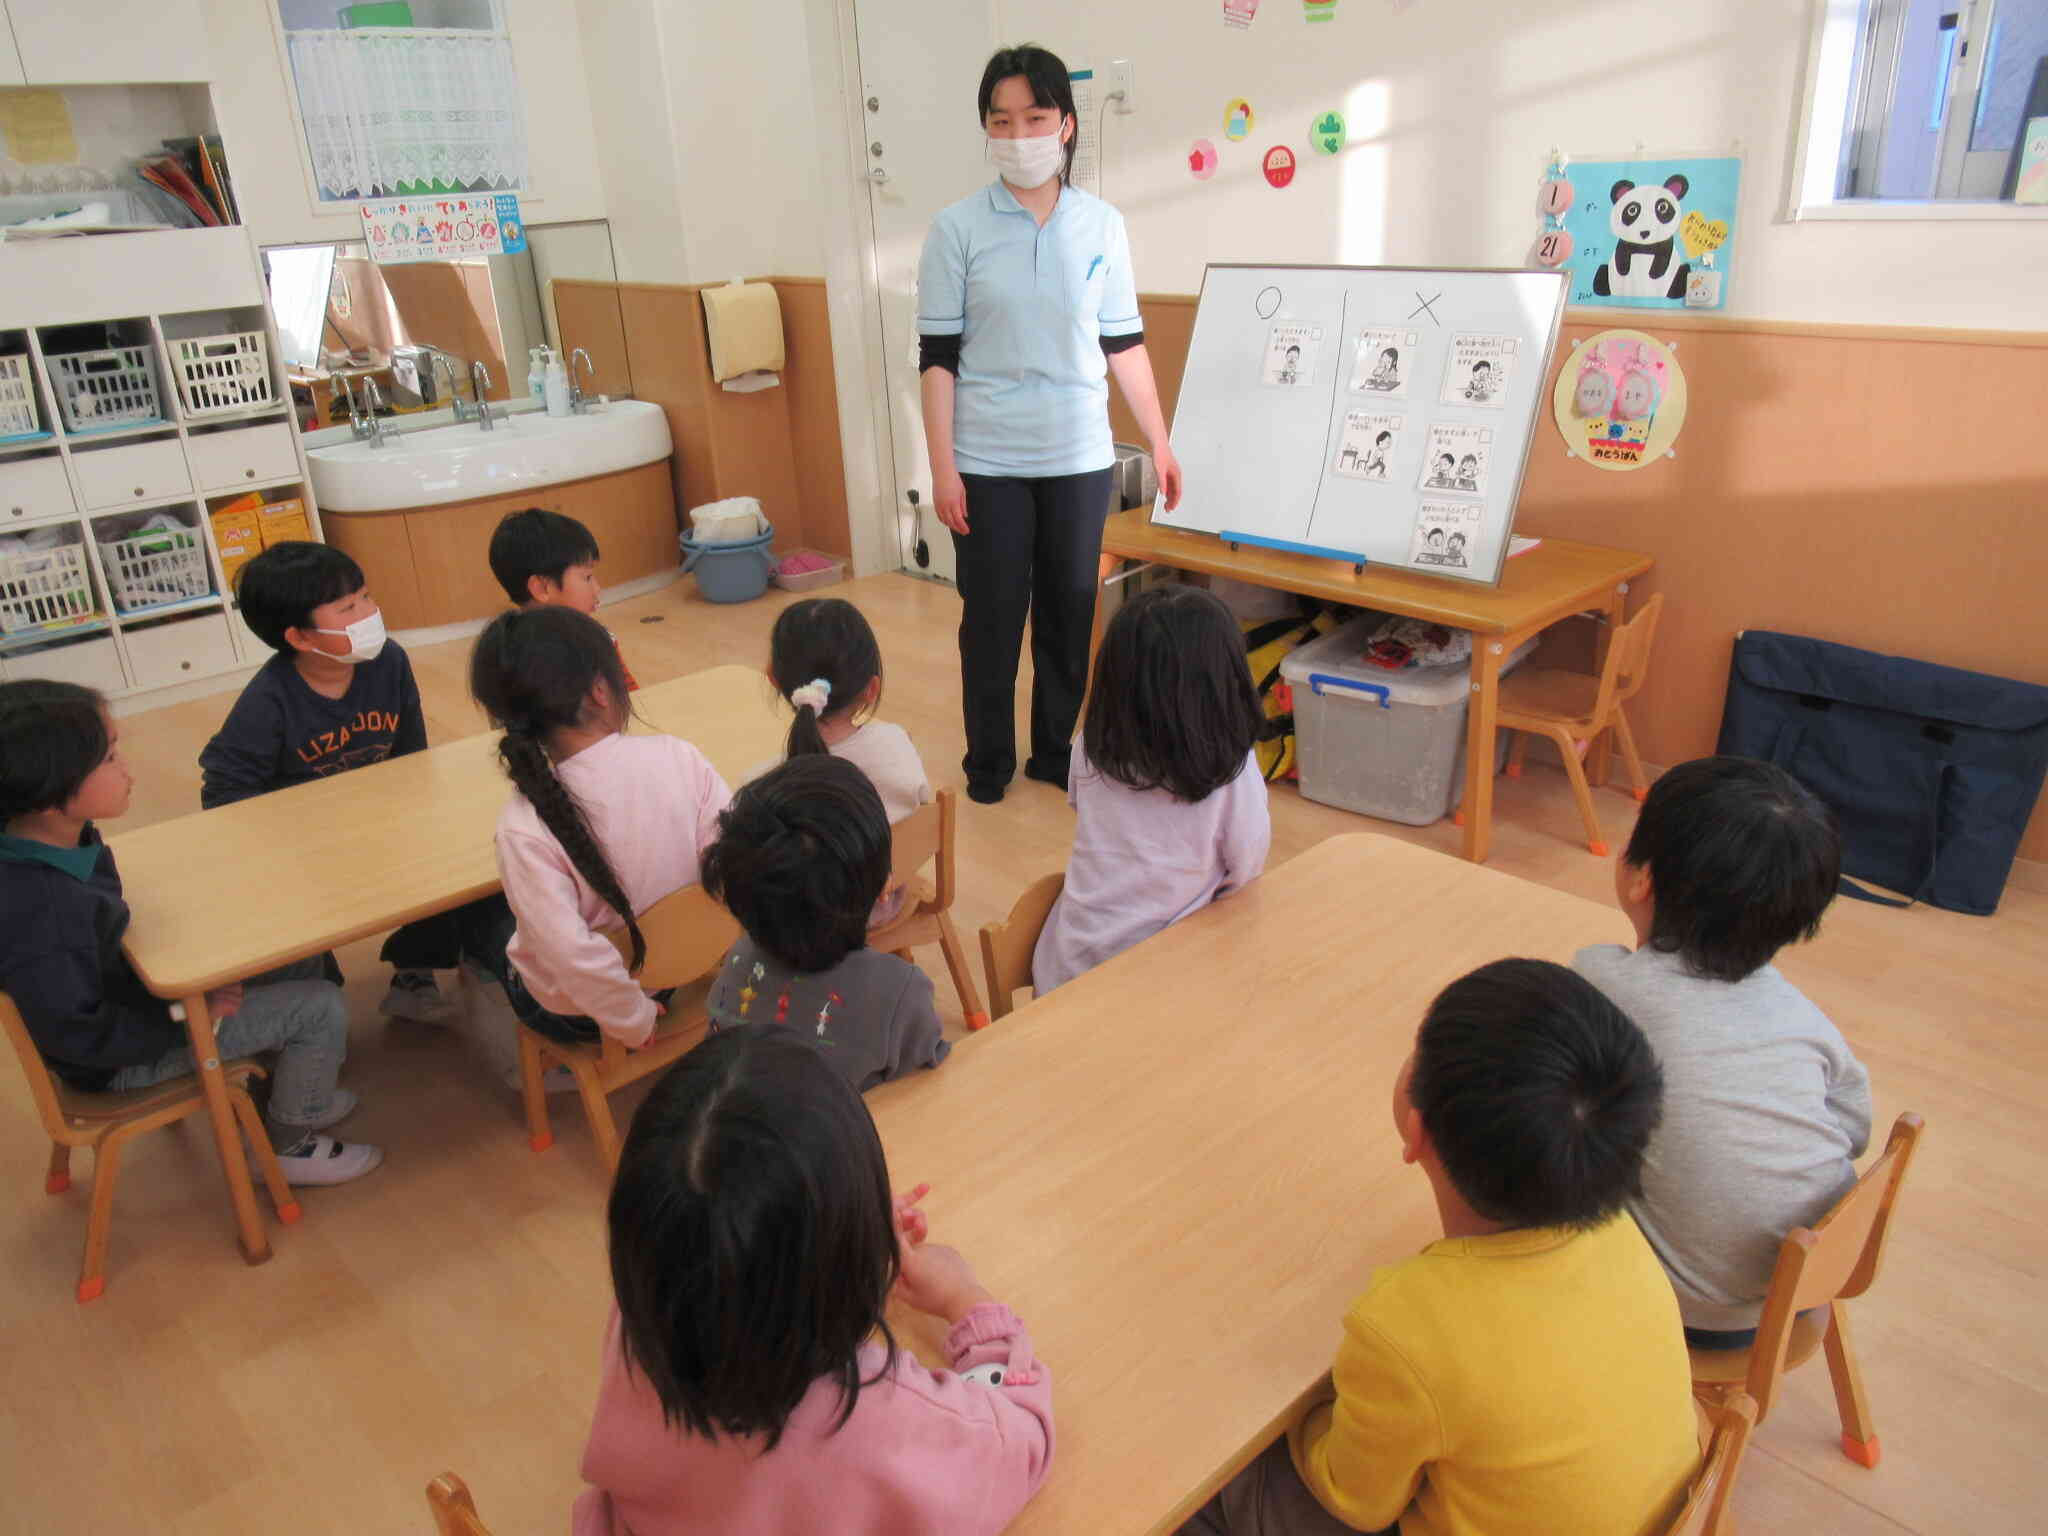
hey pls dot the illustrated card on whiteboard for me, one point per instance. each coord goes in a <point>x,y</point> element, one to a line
<point>1445,532</point>
<point>1459,457</point>
<point>1479,369</point>
<point>1291,355</point>
<point>1368,444</point>
<point>1383,362</point>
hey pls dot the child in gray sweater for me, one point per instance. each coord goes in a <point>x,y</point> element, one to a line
<point>1765,1106</point>
<point>801,857</point>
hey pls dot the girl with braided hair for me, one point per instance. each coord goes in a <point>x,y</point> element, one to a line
<point>601,827</point>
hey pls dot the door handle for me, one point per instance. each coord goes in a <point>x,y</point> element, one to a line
<point>878,174</point>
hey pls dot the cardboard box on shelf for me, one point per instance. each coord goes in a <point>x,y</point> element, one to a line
<point>238,532</point>
<point>283,521</point>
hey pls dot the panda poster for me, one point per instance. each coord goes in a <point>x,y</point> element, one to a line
<point>1653,233</point>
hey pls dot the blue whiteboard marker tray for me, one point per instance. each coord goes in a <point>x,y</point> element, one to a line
<point>1350,556</point>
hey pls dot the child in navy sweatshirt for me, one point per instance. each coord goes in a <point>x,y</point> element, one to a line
<point>95,1023</point>
<point>338,695</point>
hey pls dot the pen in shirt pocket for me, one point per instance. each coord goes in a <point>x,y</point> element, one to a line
<point>1091,269</point>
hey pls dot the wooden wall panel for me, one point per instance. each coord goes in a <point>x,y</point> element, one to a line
<point>587,315</point>
<point>1169,326</point>
<point>814,413</point>
<point>1873,486</point>
<point>658,324</point>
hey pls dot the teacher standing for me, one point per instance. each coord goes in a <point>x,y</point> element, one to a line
<point>1025,305</point>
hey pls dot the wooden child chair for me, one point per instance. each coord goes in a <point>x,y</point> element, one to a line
<point>107,1122</point>
<point>1706,1503</point>
<point>687,935</point>
<point>926,837</point>
<point>1006,946</point>
<point>454,1510</point>
<point>1820,1267</point>
<point>1572,709</point>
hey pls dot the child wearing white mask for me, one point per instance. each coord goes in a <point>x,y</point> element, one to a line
<point>338,695</point>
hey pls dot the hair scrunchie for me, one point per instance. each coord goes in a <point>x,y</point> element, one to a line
<point>817,693</point>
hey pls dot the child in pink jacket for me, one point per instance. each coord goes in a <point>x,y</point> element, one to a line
<point>751,1386</point>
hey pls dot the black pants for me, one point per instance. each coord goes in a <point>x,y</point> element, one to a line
<point>478,931</point>
<point>1032,548</point>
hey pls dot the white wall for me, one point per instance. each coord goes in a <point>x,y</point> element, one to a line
<point>1453,107</point>
<point>257,112</point>
<point>706,137</point>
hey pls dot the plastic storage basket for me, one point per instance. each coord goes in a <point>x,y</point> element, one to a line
<point>17,398</point>
<point>46,588</point>
<point>219,374</point>
<point>1385,744</point>
<point>113,387</point>
<point>150,569</point>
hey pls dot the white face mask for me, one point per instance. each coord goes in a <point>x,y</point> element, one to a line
<point>365,639</point>
<point>1028,163</point>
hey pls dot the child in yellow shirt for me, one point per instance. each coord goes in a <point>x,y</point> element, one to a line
<point>1526,1374</point>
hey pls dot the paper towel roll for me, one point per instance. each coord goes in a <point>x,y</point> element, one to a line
<point>744,324</point>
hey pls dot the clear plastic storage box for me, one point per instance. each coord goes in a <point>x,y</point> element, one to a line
<point>1385,744</point>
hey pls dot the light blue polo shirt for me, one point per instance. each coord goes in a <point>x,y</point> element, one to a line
<point>1030,307</point>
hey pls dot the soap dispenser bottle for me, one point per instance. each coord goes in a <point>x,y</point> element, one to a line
<point>556,386</point>
<point>537,373</point>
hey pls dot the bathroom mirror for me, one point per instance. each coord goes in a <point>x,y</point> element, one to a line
<point>342,317</point>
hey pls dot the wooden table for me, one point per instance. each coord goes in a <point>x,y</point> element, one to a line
<point>228,893</point>
<point>1181,1167</point>
<point>1553,581</point>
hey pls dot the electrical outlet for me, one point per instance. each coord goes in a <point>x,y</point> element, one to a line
<point>1122,79</point>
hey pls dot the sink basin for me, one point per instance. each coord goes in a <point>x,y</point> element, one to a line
<point>461,463</point>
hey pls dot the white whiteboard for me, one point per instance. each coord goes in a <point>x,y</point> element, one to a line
<point>1397,430</point>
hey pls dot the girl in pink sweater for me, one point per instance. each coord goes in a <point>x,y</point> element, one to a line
<point>751,1385</point>
<point>603,825</point>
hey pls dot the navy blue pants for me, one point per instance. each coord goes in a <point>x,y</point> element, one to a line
<point>1032,549</point>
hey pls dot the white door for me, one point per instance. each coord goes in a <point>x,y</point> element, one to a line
<point>919,64</point>
<point>111,42</point>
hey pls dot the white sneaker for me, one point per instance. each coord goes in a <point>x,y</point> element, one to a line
<point>323,1160</point>
<point>415,996</point>
<point>343,1105</point>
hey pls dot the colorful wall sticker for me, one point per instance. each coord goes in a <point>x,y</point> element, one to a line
<point>1326,132</point>
<point>1619,400</point>
<point>1240,13</point>
<point>1202,160</point>
<point>1279,165</point>
<point>1238,118</point>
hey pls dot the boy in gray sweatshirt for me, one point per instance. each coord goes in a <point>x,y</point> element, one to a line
<point>1765,1107</point>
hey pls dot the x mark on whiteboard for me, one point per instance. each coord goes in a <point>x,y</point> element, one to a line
<point>1424,307</point>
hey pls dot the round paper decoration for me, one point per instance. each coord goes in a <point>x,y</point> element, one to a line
<point>1553,198</point>
<point>1279,165</point>
<point>1238,118</point>
<point>1553,248</point>
<point>1326,132</point>
<point>1620,400</point>
<point>1202,160</point>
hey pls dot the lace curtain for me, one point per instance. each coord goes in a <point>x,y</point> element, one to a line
<point>391,111</point>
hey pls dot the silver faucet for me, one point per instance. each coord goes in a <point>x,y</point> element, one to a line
<point>373,401</point>
<point>338,390</point>
<point>444,362</point>
<point>579,403</point>
<point>479,386</point>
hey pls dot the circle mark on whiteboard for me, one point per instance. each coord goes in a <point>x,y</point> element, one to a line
<point>1267,303</point>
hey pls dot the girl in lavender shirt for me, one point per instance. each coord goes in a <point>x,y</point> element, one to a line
<point>1169,804</point>
<point>751,1385</point>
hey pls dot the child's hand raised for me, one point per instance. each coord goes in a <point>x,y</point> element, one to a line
<point>937,1280</point>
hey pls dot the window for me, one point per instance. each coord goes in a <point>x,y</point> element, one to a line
<point>406,98</point>
<point>1927,102</point>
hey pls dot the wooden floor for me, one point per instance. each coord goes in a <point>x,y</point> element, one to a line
<point>446,1312</point>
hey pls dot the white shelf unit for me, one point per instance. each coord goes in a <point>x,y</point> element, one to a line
<point>149,292</point>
